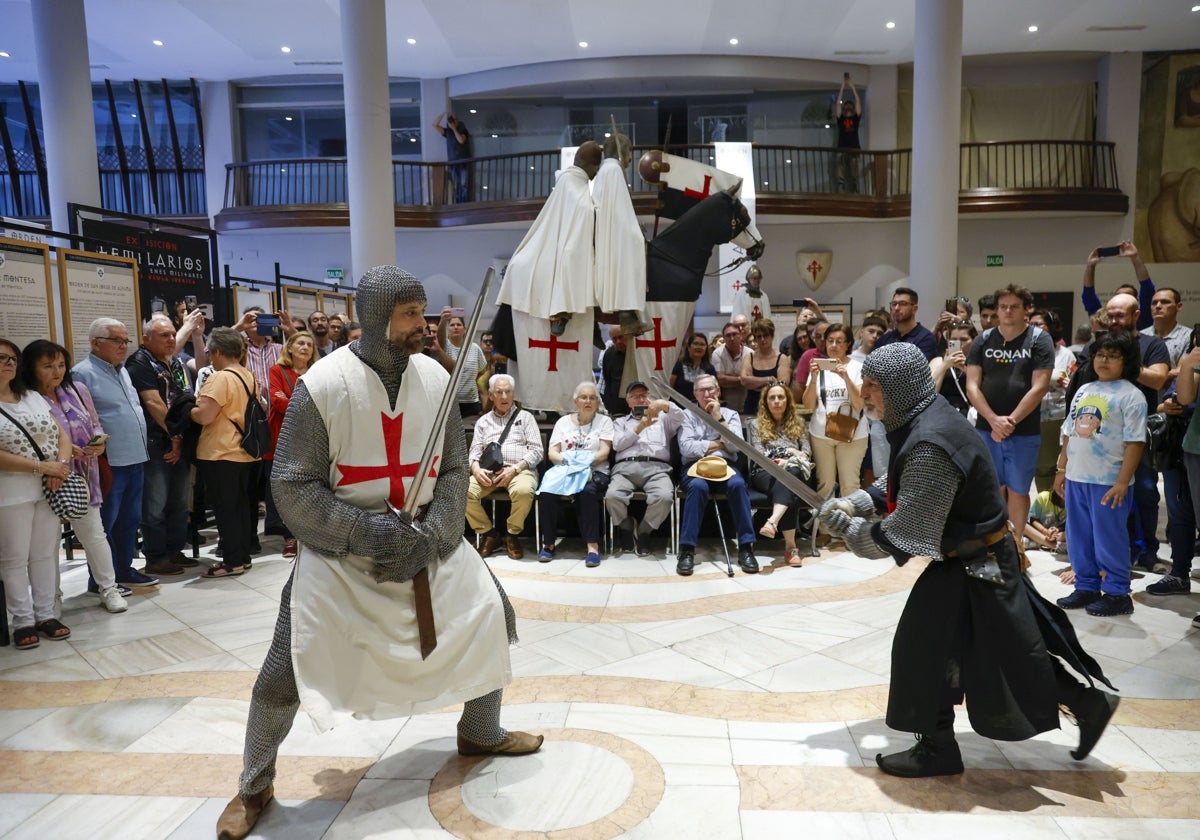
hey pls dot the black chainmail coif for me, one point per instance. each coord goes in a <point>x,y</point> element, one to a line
<point>903,374</point>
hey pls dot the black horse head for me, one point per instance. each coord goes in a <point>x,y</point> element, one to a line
<point>677,258</point>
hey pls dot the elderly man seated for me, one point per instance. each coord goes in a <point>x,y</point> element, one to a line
<point>505,452</point>
<point>703,450</point>
<point>642,442</point>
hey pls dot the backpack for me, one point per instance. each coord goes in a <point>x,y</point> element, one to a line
<point>256,433</point>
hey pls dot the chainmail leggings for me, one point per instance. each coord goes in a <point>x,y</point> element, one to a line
<point>275,701</point>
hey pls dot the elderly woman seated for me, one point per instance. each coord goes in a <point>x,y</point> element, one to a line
<point>579,447</point>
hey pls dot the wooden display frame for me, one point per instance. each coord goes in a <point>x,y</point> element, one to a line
<point>244,298</point>
<point>337,302</point>
<point>13,288</point>
<point>124,304</point>
<point>294,302</point>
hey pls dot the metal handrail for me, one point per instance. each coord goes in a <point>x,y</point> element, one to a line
<point>984,168</point>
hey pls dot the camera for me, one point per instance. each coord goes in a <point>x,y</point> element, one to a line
<point>1109,251</point>
<point>190,302</point>
<point>639,411</point>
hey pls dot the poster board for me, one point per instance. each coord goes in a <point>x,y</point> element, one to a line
<point>27,292</point>
<point>97,286</point>
<point>300,303</point>
<point>244,298</point>
<point>332,302</point>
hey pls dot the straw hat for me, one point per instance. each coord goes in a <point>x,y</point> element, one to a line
<point>712,468</point>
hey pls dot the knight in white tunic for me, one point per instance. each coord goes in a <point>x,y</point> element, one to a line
<point>620,244</point>
<point>749,299</point>
<point>552,271</point>
<point>347,642</point>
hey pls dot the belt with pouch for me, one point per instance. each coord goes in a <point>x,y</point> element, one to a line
<point>976,563</point>
<point>967,548</point>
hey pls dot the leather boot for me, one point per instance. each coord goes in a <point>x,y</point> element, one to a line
<point>933,755</point>
<point>514,743</point>
<point>240,815</point>
<point>1092,709</point>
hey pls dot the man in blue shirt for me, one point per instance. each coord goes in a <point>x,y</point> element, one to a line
<point>120,411</point>
<point>1144,291</point>
<point>904,315</point>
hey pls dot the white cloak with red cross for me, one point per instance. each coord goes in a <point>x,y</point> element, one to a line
<point>657,351</point>
<point>620,243</point>
<point>549,367</point>
<point>355,645</point>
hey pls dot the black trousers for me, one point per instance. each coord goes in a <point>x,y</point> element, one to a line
<point>587,510</point>
<point>765,483</point>
<point>228,486</point>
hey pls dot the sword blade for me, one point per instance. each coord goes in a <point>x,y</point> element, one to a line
<point>807,495</point>
<point>448,399</point>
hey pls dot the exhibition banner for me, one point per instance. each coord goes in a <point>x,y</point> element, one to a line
<point>171,268</point>
<point>26,292</point>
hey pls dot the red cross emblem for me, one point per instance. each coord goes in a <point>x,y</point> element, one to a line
<point>394,471</point>
<point>814,268</point>
<point>554,345</point>
<point>756,312</point>
<point>702,195</point>
<point>658,343</point>
<point>737,285</point>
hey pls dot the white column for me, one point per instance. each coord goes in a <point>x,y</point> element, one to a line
<point>65,90</point>
<point>216,106</point>
<point>435,98</point>
<point>368,136</point>
<point>880,107</point>
<point>1120,91</point>
<point>937,77</point>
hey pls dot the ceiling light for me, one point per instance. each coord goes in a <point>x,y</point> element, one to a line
<point>412,40</point>
<point>156,42</point>
<point>134,116</point>
<point>891,24</point>
<point>285,49</point>
<point>789,160</point>
<point>583,44</point>
<point>485,186</point>
<point>733,41</point>
<point>289,119</point>
<point>495,135</point>
<point>412,139</point>
<point>1196,8</point>
<point>827,125</point>
<point>1033,28</point>
<point>473,111</point>
<point>607,134</point>
<point>4,55</point>
<point>531,167</point>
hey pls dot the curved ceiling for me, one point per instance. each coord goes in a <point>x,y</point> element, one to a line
<point>242,39</point>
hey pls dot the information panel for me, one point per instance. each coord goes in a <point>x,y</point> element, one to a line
<point>97,286</point>
<point>300,303</point>
<point>26,292</point>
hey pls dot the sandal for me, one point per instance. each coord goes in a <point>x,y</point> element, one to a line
<point>53,629</point>
<point>26,638</point>
<point>795,558</point>
<point>768,530</point>
<point>223,571</point>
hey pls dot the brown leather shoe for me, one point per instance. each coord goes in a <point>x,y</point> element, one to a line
<point>512,544</point>
<point>515,743</point>
<point>490,543</point>
<point>240,815</point>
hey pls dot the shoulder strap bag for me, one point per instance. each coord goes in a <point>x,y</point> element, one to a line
<point>492,457</point>
<point>839,425</point>
<point>70,501</point>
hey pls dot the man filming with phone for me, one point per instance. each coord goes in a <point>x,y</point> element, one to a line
<point>642,443</point>
<point>1144,291</point>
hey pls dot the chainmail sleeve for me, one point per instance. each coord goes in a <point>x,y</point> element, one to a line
<point>300,480</point>
<point>927,490</point>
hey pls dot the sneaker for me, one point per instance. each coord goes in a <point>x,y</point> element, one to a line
<point>1111,605</point>
<point>1170,585</point>
<point>93,588</point>
<point>112,601</point>
<point>592,560</point>
<point>1078,598</point>
<point>139,579</point>
<point>545,555</point>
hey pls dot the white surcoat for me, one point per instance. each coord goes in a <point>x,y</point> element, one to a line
<point>355,645</point>
<point>620,244</point>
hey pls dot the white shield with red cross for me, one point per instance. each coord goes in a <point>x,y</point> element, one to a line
<point>548,366</point>
<point>657,351</point>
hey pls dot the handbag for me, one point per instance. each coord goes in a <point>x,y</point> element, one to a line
<point>70,501</point>
<point>492,457</point>
<point>839,425</point>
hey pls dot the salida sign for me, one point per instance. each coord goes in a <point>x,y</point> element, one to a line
<point>171,268</point>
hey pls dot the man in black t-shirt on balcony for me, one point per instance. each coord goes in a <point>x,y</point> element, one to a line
<point>848,117</point>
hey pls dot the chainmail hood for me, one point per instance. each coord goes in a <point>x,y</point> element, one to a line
<point>903,374</point>
<point>381,289</point>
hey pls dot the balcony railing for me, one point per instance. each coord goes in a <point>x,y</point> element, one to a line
<point>788,179</point>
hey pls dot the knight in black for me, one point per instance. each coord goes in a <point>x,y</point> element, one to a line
<point>974,626</point>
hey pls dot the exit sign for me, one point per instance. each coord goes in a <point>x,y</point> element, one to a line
<point>339,274</point>
<point>994,260</point>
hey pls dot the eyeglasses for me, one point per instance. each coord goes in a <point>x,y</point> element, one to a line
<point>123,342</point>
<point>899,303</point>
<point>704,388</point>
<point>5,359</point>
<point>1108,357</point>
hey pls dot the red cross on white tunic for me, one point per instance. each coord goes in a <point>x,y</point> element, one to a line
<point>690,193</point>
<point>554,345</point>
<point>658,343</point>
<point>394,470</point>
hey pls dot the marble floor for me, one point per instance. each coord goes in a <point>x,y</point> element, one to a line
<point>714,706</point>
